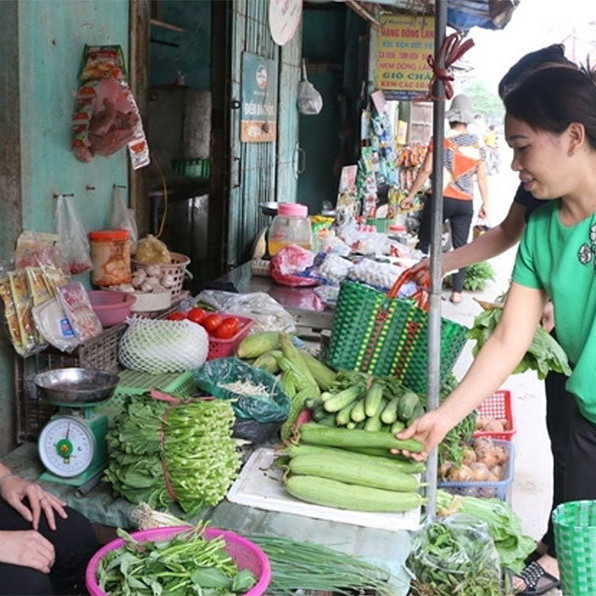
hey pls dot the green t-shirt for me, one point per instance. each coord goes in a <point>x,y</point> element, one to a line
<point>562,261</point>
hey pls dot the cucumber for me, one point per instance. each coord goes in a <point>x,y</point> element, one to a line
<point>342,399</point>
<point>409,400</point>
<point>397,427</point>
<point>373,399</point>
<point>340,495</point>
<point>343,416</point>
<point>372,475</point>
<point>418,411</point>
<point>358,414</point>
<point>374,422</point>
<point>389,414</point>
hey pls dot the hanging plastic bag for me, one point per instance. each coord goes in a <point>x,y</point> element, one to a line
<point>480,227</point>
<point>73,238</point>
<point>310,101</point>
<point>123,218</point>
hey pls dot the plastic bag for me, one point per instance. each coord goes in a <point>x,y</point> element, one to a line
<point>309,100</point>
<point>272,406</point>
<point>74,244</point>
<point>455,555</point>
<point>123,218</point>
<point>152,251</point>
<point>480,227</point>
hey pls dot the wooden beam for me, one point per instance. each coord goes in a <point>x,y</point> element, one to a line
<point>363,12</point>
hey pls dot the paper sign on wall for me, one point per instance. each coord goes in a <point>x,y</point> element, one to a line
<point>284,18</point>
<point>405,42</point>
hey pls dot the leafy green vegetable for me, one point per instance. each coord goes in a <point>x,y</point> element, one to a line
<point>188,445</point>
<point>185,564</point>
<point>543,355</point>
<point>477,276</point>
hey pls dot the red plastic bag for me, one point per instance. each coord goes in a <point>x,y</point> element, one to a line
<point>289,265</point>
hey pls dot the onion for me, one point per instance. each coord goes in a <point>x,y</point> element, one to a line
<point>480,472</point>
<point>463,474</point>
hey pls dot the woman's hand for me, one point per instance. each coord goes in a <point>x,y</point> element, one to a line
<point>547,321</point>
<point>406,203</point>
<point>420,273</point>
<point>27,548</point>
<point>429,429</point>
<point>483,212</point>
<point>14,490</point>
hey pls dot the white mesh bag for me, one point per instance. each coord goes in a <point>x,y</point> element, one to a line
<point>158,346</point>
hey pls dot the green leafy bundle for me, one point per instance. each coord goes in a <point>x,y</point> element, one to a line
<point>543,355</point>
<point>477,276</point>
<point>184,564</point>
<point>189,445</point>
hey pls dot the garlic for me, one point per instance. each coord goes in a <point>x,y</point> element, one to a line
<point>167,281</point>
<point>153,271</point>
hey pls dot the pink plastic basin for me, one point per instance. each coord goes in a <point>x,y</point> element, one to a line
<point>111,307</point>
<point>246,554</point>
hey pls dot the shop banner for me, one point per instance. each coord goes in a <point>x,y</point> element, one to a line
<point>259,99</point>
<point>405,42</point>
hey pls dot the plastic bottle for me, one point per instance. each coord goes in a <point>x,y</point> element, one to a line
<point>290,226</point>
<point>110,253</point>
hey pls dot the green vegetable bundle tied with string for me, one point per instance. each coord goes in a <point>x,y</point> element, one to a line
<point>162,452</point>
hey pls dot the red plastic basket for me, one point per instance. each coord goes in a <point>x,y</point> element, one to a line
<point>246,554</point>
<point>498,407</point>
<point>222,348</point>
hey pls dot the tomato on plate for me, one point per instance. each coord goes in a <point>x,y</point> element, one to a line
<point>229,328</point>
<point>196,314</point>
<point>176,316</point>
<point>212,322</point>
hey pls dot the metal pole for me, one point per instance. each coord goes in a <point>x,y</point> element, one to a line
<point>434,319</point>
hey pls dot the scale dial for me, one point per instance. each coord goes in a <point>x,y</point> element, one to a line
<point>66,446</point>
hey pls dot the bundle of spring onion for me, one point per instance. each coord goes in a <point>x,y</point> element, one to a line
<point>299,565</point>
<point>160,452</point>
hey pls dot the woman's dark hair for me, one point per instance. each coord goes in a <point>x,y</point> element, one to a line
<point>549,56</point>
<point>552,98</point>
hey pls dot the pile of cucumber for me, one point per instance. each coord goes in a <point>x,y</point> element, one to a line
<point>362,401</point>
<point>353,469</point>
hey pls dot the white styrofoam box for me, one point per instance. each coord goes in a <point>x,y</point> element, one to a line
<point>259,485</point>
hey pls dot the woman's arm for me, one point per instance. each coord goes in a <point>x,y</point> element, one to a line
<point>481,174</point>
<point>423,174</point>
<point>494,363</point>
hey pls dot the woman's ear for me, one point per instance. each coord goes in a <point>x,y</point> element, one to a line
<point>576,134</point>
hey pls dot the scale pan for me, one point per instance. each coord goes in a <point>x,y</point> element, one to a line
<point>70,386</point>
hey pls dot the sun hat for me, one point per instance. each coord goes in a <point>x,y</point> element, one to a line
<point>460,110</point>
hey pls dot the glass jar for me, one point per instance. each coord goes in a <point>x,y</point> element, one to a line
<point>291,225</point>
<point>110,253</point>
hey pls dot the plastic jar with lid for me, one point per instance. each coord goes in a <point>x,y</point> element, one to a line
<point>110,254</point>
<point>291,225</point>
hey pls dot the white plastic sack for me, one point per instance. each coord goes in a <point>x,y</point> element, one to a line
<point>310,101</point>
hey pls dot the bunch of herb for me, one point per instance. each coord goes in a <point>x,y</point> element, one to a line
<point>543,355</point>
<point>477,276</point>
<point>184,564</point>
<point>188,444</point>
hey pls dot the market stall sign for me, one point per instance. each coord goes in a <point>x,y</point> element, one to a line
<point>405,42</point>
<point>259,99</point>
<point>284,18</point>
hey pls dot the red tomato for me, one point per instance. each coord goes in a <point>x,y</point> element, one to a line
<point>176,316</point>
<point>196,314</point>
<point>229,328</point>
<point>212,322</point>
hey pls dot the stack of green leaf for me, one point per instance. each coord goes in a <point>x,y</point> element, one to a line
<point>543,355</point>
<point>162,452</point>
<point>477,276</point>
<point>504,525</point>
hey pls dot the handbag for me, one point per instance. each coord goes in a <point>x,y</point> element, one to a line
<point>384,335</point>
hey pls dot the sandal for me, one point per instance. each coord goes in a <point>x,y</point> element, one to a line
<point>455,297</point>
<point>537,580</point>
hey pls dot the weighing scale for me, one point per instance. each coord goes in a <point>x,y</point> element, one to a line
<point>72,445</point>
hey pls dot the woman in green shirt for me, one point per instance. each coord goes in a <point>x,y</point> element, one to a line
<point>551,127</point>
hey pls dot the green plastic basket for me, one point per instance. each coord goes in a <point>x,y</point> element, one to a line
<point>575,538</point>
<point>388,336</point>
<point>133,382</point>
<point>382,224</point>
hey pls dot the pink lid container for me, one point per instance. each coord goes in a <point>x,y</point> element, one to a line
<point>292,209</point>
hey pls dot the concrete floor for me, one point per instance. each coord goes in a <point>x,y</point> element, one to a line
<point>531,492</point>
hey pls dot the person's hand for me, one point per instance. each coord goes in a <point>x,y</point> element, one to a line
<point>27,548</point>
<point>482,213</point>
<point>14,490</point>
<point>547,321</point>
<point>420,273</point>
<point>407,203</point>
<point>429,429</point>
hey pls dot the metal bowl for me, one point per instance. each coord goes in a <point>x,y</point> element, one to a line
<point>70,386</point>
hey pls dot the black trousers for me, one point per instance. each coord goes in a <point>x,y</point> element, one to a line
<point>560,412</point>
<point>459,214</point>
<point>74,542</point>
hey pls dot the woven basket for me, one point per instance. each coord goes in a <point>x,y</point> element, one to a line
<point>575,538</point>
<point>177,269</point>
<point>377,333</point>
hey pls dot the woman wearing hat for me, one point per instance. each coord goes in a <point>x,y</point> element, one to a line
<point>464,158</point>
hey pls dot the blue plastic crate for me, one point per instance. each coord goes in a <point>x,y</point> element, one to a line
<point>486,489</point>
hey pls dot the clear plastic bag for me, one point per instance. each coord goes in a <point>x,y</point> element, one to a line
<point>309,100</point>
<point>74,244</point>
<point>455,555</point>
<point>123,218</point>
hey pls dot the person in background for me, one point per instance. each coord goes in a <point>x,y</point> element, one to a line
<point>492,150</point>
<point>498,239</point>
<point>551,126</point>
<point>464,159</point>
<point>44,545</point>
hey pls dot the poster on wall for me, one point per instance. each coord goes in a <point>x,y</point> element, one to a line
<point>284,18</point>
<point>405,42</point>
<point>259,99</point>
